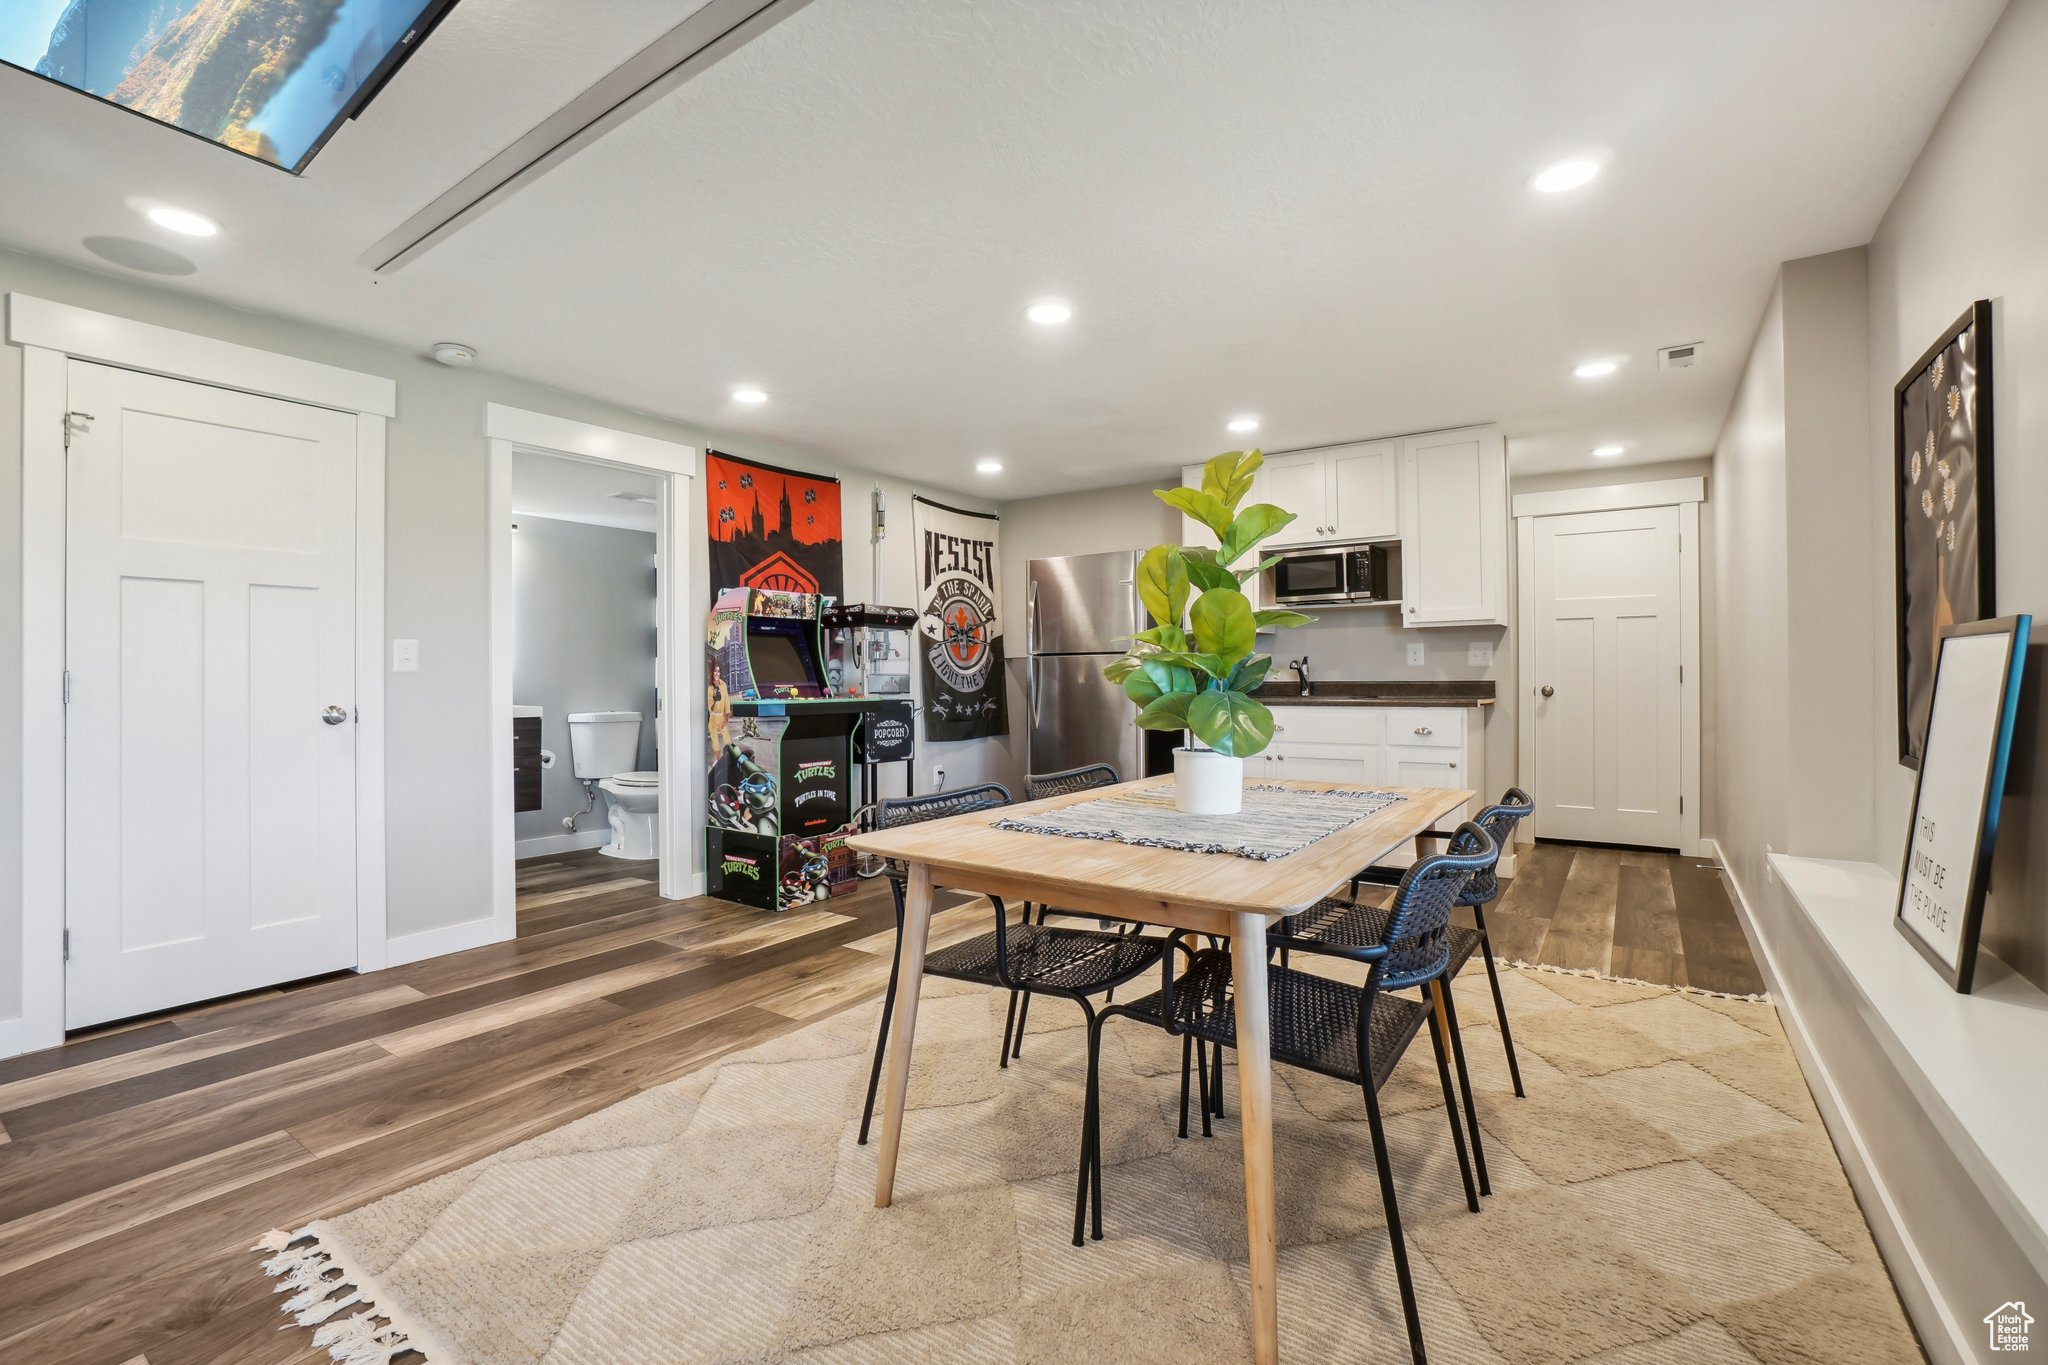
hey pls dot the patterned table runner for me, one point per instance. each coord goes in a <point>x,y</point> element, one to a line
<point>1275,821</point>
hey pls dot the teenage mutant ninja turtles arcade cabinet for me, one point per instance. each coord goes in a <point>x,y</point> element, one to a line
<point>781,751</point>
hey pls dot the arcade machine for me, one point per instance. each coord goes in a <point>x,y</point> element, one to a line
<point>781,748</point>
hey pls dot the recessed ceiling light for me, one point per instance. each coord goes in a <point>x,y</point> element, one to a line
<point>988,464</point>
<point>1596,369</point>
<point>1049,312</point>
<point>1244,424</point>
<point>183,221</point>
<point>1607,452</point>
<point>1569,174</point>
<point>748,394</point>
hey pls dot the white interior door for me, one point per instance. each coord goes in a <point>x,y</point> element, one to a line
<point>209,640</point>
<point>1608,646</point>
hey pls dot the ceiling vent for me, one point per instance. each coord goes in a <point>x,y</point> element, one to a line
<point>634,497</point>
<point>1679,357</point>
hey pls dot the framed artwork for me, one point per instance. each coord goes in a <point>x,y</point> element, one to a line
<point>1960,788</point>
<point>1941,444</point>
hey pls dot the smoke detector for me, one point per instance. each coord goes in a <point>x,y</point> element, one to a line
<point>1679,357</point>
<point>453,353</point>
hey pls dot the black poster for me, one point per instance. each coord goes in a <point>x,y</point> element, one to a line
<point>959,623</point>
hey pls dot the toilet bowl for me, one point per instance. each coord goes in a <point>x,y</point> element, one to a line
<point>634,799</point>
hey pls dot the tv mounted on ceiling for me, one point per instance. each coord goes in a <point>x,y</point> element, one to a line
<point>271,79</point>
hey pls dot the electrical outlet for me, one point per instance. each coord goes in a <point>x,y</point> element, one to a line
<point>1479,654</point>
<point>405,656</point>
<point>1415,654</point>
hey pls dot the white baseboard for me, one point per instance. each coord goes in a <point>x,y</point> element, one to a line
<point>562,843</point>
<point>1944,1338</point>
<point>449,938</point>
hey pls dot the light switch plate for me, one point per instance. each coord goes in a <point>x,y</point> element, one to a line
<point>1415,654</point>
<point>1479,654</point>
<point>405,656</point>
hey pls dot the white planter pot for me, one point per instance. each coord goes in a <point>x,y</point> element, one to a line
<point>1207,783</point>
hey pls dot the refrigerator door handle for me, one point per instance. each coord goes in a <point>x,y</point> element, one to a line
<point>1031,617</point>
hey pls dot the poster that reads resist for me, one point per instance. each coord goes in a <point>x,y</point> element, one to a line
<point>1956,803</point>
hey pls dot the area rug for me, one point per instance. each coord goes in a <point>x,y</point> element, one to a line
<point>1666,1193</point>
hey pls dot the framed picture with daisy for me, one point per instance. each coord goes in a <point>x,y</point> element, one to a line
<point>1941,442</point>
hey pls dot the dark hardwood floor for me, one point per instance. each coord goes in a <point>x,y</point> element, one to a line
<point>139,1163</point>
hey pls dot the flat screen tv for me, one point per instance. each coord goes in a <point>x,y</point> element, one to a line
<point>271,79</point>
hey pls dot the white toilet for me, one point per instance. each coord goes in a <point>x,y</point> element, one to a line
<point>604,745</point>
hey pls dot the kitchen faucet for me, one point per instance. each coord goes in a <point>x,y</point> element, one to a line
<point>1300,667</point>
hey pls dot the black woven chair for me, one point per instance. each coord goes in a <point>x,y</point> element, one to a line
<point>1354,1033</point>
<point>1350,923</point>
<point>1026,957</point>
<point>1037,787</point>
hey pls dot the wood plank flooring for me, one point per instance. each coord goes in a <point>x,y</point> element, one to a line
<point>1652,916</point>
<point>138,1163</point>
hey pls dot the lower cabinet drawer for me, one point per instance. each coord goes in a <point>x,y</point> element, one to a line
<point>1434,726</point>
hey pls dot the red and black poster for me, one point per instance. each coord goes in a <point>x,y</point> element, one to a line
<point>773,529</point>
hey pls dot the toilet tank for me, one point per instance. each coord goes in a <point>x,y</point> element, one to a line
<point>602,743</point>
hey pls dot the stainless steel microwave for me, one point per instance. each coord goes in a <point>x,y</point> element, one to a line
<point>1352,573</point>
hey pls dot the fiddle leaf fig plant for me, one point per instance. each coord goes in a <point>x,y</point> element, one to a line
<point>1196,668</point>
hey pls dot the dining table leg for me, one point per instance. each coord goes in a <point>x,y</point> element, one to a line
<point>1255,1119</point>
<point>917,923</point>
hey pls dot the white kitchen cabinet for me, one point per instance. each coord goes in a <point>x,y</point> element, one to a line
<point>1339,493</point>
<point>1394,746</point>
<point>1454,528</point>
<point>1299,484</point>
<point>1363,501</point>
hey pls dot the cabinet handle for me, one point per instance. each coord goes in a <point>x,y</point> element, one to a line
<point>1454,765</point>
<point>1424,730</point>
<point>1279,729</point>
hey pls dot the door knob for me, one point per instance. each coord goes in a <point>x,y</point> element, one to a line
<point>334,715</point>
<point>1549,691</point>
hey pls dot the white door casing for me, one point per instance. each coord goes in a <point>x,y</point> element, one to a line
<point>210,621</point>
<point>1607,645</point>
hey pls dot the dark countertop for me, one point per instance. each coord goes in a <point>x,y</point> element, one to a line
<point>1478,693</point>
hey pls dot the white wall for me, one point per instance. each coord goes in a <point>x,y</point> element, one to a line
<point>1794,701</point>
<point>438,821</point>
<point>582,640</point>
<point>1971,222</point>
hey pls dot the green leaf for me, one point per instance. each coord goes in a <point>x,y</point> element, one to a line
<point>1252,525</point>
<point>1122,668</point>
<point>1164,637</point>
<point>1249,673</point>
<point>1278,617</point>
<point>1140,688</point>
<point>1206,508</point>
<point>1241,479</point>
<point>1163,584</point>
<point>1169,673</point>
<point>1222,621</point>
<point>1218,472</point>
<point>1230,723</point>
<point>1169,711</point>
<point>1205,573</point>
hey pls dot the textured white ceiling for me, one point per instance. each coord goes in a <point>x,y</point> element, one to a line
<point>581,490</point>
<point>1315,210</point>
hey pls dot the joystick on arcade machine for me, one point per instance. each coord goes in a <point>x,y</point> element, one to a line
<point>781,753</point>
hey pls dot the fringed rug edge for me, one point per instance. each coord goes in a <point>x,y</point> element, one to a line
<point>1754,998</point>
<point>315,1267</point>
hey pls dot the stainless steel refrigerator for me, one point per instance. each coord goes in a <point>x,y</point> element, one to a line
<point>1079,614</point>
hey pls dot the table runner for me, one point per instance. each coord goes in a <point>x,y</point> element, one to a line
<point>1275,822</point>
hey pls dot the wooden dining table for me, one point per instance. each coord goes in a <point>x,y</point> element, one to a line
<point>1210,893</point>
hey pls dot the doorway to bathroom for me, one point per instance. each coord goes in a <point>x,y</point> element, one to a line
<point>584,695</point>
<point>589,694</point>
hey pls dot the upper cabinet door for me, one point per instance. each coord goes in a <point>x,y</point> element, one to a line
<point>1454,528</point>
<point>1297,484</point>
<point>1362,503</point>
